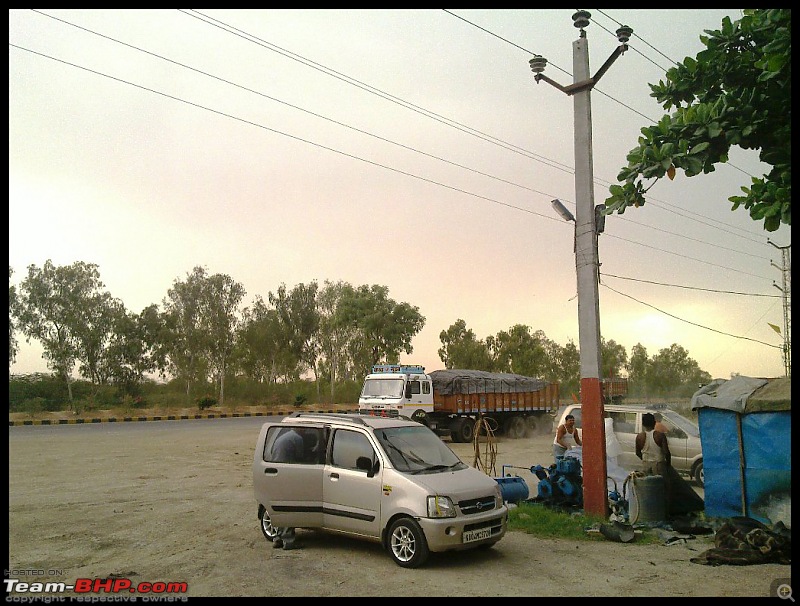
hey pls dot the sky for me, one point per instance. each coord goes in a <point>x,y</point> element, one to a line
<point>406,148</point>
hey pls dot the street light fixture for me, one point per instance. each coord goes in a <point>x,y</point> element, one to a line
<point>562,210</point>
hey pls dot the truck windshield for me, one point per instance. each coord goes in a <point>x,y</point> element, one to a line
<point>418,450</point>
<point>382,388</point>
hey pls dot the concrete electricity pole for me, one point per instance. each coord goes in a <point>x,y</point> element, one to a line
<point>595,488</point>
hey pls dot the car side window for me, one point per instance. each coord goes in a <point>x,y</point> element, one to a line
<point>348,446</point>
<point>623,422</point>
<point>305,445</point>
<point>672,430</point>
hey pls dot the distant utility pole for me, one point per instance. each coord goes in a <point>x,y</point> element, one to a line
<point>595,487</point>
<point>786,291</point>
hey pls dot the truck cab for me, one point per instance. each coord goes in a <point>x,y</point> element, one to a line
<point>392,389</point>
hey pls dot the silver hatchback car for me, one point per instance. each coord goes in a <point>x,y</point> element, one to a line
<point>682,433</point>
<point>387,480</point>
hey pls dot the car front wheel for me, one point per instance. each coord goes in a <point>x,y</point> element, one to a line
<point>407,544</point>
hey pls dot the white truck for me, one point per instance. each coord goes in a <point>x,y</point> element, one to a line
<point>451,401</point>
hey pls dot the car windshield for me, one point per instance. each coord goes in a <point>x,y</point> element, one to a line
<point>382,388</point>
<point>418,450</point>
<point>685,424</point>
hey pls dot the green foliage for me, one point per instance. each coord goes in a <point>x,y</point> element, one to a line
<point>206,401</point>
<point>46,389</point>
<point>462,349</point>
<point>300,399</point>
<point>546,522</point>
<point>736,92</point>
<point>34,407</point>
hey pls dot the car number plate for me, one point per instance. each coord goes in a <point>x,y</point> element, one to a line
<point>471,536</point>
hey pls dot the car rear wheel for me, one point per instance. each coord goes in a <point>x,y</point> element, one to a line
<point>407,544</point>
<point>267,529</point>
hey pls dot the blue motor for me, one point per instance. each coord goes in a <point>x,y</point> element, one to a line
<point>513,488</point>
<point>561,483</point>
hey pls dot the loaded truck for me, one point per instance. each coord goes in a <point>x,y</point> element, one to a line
<point>451,401</point>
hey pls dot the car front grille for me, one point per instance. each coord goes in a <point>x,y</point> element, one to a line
<point>473,506</point>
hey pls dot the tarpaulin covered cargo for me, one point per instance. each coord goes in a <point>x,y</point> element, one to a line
<point>480,392</point>
<point>746,432</point>
<point>453,381</point>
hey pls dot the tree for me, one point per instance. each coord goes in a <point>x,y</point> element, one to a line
<point>614,357</point>
<point>13,345</point>
<point>569,371</point>
<point>134,348</point>
<point>737,92</point>
<point>385,326</point>
<point>185,338</point>
<point>55,306</point>
<point>638,369</point>
<point>299,321</point>
<point>95,335</point>
<point>261,350</point>
<point>673,372</point>
<point>334,332</point>
<point>219,318</point>
<point>520,352</point>
<point>462,349</point>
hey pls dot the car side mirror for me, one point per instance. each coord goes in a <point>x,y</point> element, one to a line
<point>366,464</point>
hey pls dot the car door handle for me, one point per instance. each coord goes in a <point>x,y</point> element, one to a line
<point>334,476</point>
<point>270,470</point>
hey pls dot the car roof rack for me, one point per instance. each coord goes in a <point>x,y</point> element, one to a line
<point>329,415</point>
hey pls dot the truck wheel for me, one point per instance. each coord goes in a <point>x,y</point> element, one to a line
<point>532,426</point>
<point>419,416</point>
<point>463,430</point>
<point>515,427</point>
<point>407,544</point>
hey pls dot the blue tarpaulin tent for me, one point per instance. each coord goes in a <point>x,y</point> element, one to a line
<point>746,432</point>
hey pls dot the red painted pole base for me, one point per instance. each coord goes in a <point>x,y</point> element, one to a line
<point>593,437</point>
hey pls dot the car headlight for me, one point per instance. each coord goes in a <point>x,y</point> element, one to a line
<point>441,507</point>
<point>498,496</point>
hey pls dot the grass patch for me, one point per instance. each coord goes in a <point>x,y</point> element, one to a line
<point>550,523</point>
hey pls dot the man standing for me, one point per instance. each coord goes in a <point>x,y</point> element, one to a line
<point>288,448</point>
<point>567,436</point>
<point>652,448</point>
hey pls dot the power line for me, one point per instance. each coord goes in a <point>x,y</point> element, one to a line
<point>594,89</point>
<point>727,334</point>
<point>322,146</point>
<point>432,181</point>
<point>282,51</point>
<point>295,137</point>
<point>726,292</point>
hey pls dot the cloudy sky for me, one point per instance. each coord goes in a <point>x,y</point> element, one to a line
<point>407,148</point>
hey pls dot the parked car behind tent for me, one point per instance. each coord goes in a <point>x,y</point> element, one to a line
<point>746,432</point>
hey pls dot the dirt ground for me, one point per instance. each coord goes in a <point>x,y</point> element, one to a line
<point>172,501</point>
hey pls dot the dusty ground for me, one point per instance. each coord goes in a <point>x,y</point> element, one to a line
<point>171,501</point>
